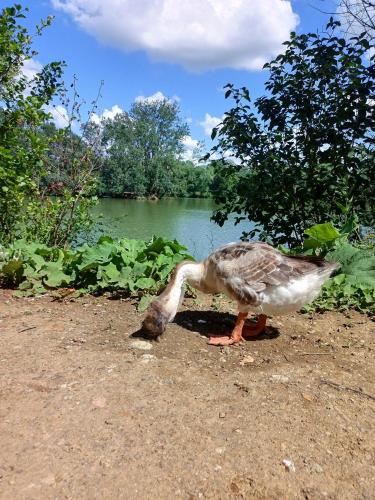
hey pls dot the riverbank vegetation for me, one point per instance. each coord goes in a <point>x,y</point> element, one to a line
<point>141,269</point>
<point>134,267</point>
<point>301,156</point>
<point>304,152</point>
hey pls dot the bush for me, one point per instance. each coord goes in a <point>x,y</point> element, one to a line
<point>304,152</point>
<point>133,267</point>
<point>354,283</point>
<point>36,159</point>
<point>21,114</point>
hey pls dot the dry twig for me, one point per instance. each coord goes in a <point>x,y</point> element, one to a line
<point>340,387</point>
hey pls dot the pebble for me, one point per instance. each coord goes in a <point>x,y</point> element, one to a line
<point>316,468</point>
<point>308,397</point>
<point>289,465</point>
<point>279,378</point>
<point>143,345</point>
<point>99,402</point>
<point>247,359</point>
<point>146,358</point>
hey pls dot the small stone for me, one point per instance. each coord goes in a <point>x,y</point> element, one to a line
<point>201,321</point>
<point>308,397</point>
<point>316,468</point>
<point>279,378</point>
<point>143,345</point>
<point>219,451</point>
<point>147,358</point>
<point>217,467</point>
<point>99,402</point>
<point>222,415</point>
<point>289,465</point>
<point>246,360</point>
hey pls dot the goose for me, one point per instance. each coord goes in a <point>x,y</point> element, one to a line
<point>257,276</point>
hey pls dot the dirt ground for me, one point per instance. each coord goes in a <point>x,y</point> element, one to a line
<point>88,410</point>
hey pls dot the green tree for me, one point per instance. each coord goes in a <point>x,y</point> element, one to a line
<point>36,159</point>
<point>304,153</point>
<point>22,112</point>
<point>143,148</point>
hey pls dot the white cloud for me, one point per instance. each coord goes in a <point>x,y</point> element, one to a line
<point>209,123</point>
<point>108,114</point>
<point>190,146</point>
<point>157,97</point>
<point>30,68</point>
<point>199,34</point>
<point>60,116</point>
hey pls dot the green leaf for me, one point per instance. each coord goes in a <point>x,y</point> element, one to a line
<point>145,283</point>
<point>144,302</point>
<point>323,233</point>
<point>93,256</point>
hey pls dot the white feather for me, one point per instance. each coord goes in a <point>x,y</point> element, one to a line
<point>291,297</point>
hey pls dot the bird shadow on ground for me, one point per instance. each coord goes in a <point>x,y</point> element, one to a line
<point>141,334</point>
<point>210,323</point>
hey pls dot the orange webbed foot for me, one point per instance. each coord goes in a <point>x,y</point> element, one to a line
<point>222,340</point>
<point>256,329</point>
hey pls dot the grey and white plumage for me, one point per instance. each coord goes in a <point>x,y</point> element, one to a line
<point>257,276</point>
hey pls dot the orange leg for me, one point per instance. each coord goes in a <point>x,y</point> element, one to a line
<point>256,329</point>
<point>241,331</point>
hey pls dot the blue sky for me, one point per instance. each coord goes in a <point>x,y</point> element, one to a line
<point>182,49</point>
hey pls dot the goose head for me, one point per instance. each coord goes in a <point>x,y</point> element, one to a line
<point>155,321</point>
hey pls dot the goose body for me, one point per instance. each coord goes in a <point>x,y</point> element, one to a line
<point>257,276</point>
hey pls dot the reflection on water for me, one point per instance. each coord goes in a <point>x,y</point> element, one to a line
<point>187,220</point>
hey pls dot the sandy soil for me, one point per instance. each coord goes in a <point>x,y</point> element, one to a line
<point>89,410</point>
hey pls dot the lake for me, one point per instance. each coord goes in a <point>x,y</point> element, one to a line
<point>186,219</point>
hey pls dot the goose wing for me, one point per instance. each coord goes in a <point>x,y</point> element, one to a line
<point>246,269</point>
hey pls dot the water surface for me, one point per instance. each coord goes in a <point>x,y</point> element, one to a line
<point>187,220</point>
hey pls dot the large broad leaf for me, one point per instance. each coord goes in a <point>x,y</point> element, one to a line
<point>32,248</point>
<point>125,281</point>
<point>131,248</point>
<point>320,235</point>
<point>156,245</point>
<point>138,269</point>
<point>93,256</point>
<point>145,283</point>
<point>54,275</point>
<point>109,272</point>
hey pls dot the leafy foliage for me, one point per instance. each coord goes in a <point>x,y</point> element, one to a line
<point>33,151</point>
<point>143,154</point>
<point>135,267</point>
<point>305,151</point>
<point>141,269</point>
<point>21,114</point>
<point>354,283</point>
<point>354,286</point>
